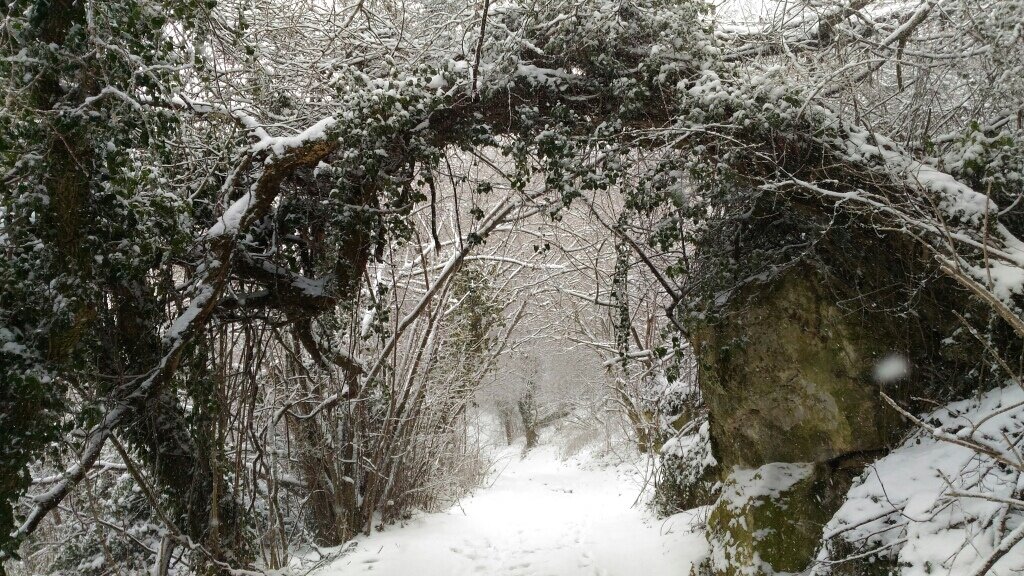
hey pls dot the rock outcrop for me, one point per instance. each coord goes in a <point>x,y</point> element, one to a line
<point>788,370</point>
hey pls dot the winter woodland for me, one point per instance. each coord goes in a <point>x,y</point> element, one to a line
<point>513,287</point>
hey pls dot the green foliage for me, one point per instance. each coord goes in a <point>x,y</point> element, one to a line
<point>470,330</point>
<point>117,544</point>
<point>992,161</point>
<point>110,183</point>
<point>689,475</point>
<point>29,419</point>
<point>86,205</point>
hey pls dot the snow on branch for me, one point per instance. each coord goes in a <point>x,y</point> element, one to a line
<point>129,396</point>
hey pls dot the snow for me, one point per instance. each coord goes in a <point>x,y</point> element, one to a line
<point>437,82</point>
<point>281,144</point>
<point>940,507</point>
<point>312,287</point>
<point>542,516</point>
<point>769,481</point>
<point>232,217</point>
<point>955,198</point>
<point>10,345</point>
<point>544,76</point>
<point>1005,280</point>
<point>184,320</point>
<point>891,368</point>
<point>695,447</point>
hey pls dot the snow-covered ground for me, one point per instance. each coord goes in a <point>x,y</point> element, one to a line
<point>542,516</point>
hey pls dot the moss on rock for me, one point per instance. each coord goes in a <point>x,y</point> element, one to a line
<point>769,520</point>
<point>795,308</point>
<point>787,377</point>
<point>752,527</point>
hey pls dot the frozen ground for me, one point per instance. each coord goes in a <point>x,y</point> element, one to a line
<point>542,516</point>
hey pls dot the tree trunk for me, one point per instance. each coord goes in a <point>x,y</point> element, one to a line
<point>178,449</point>
<point>326,461</point>
<point>508,422</point>
<point>528,413</point>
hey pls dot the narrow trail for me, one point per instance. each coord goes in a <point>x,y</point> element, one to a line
<point>541,517</point>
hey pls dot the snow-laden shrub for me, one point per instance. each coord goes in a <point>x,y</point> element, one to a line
<point>688,476</point>
<point>947,501</point>
<point>110,528</point>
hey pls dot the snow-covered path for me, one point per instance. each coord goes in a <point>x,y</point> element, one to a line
<point>541,517</point>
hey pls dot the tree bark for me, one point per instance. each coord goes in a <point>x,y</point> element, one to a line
<point>528,413</point>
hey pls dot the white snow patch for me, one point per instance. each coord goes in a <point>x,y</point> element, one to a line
<point>1004,280</point>
<point>955,198</point>
<point>184,320</point>
<point>692,447</point>
<point>544,76</point>
<point>281,144</point>
<point>437,82</point>
<point>768,482</point>
<point>938,507</point>
<point>232,217</point>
